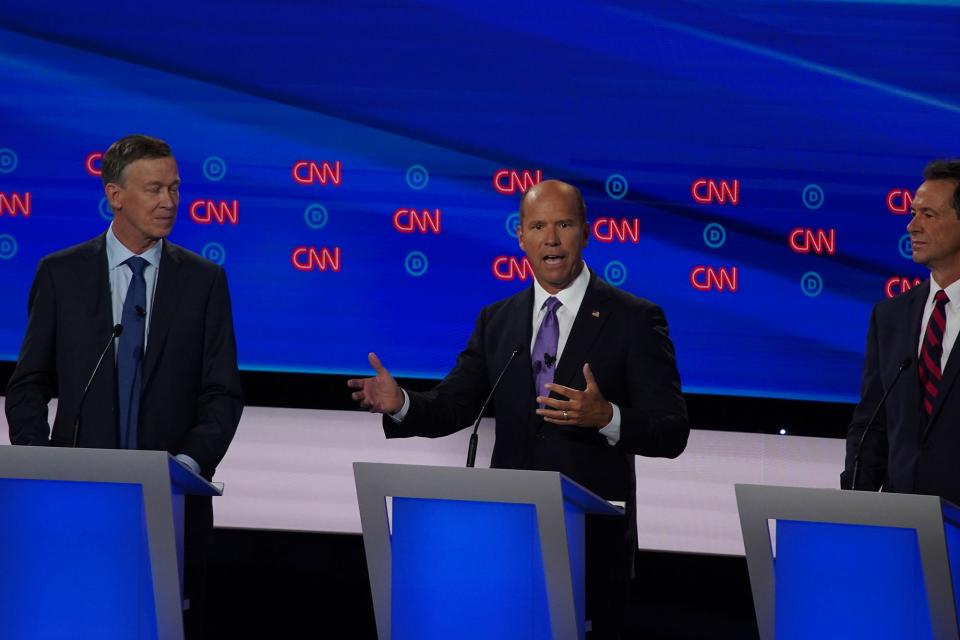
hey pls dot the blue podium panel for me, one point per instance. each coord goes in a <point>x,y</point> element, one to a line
<point>74,561</point>
<point>849,581</point>
<point>465,569</point>
<point>576,549</point>
<point>952,534</point>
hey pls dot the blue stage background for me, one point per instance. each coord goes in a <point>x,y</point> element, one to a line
<point>822,112</point>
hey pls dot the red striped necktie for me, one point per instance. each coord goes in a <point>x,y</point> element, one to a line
<point>928,366</point>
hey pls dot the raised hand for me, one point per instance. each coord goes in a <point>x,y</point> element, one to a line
<point>379,394</point>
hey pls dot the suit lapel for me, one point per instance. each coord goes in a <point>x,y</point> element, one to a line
<point>593,314</point>
<point>917,298</point>
<point>948,379</point>
<point>946,385</point>
<point>101,308</point>
<point>519,333</point>
<point>164,304</point>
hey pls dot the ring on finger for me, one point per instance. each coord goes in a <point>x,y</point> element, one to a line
<point>565,416</point>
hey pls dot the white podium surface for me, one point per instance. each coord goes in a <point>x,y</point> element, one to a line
<point>291,469</point>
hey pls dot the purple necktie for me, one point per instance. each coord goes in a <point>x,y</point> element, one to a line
<point>545,348</point>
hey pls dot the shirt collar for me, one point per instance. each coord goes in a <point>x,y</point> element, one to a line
<point>117,254</point>
<point>570,298</point>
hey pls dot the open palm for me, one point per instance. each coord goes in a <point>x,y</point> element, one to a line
<point>379,394</point>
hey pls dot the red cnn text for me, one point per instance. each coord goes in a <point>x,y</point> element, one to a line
<point>898,284</point>
<point>899,201</point>
<point>322,173</point>
<point>623,230</point>
<point>710,191</point>
<point>507,181</point>
<point>511,268</point>
<point>12,204</point>
<point>92,163</point>
<point>411,220</point>
<point>803,240</point>
<point>313,259</point>
<point>221,212</point>
<point>704,278</point>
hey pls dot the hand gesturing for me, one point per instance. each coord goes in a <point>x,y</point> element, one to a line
<point>380,394</point>
<point>586,408</point>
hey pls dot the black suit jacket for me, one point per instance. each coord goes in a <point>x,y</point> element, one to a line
<point>904,452</point>
<point>191,394</point>
<point>625,340</point>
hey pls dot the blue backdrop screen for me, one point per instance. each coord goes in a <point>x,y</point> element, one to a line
<point>357,167</point>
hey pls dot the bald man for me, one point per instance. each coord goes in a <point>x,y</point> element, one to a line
<point>595,384</point>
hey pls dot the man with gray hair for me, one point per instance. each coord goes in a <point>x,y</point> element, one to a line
<point>170,380</point>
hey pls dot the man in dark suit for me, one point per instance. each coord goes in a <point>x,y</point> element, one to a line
<point>595,383</point>
<point>914,444</point>
<point>170,381</point>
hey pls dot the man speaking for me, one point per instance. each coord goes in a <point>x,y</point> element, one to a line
<point>908,441</point>
<point>594,382</point>
<point>169,380</point>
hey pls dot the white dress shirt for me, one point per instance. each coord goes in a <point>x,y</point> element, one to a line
<point>952,311</point>
<point>570,298</point>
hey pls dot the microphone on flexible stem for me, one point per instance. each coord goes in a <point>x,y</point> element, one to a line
<point>472,450</point>
<point>876,412</point>
<point>114,333</point>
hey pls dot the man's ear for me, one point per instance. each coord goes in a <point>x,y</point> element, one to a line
<point>114,195</point>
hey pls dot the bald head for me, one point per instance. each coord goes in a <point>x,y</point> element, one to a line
<point>555,190</point>
<point>553,232</point>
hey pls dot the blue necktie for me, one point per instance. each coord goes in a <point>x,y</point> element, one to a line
<point>130,353</point>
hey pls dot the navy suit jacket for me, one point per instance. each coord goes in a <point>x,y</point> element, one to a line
<point>191,394</point>
<point>904,452</point>
<point>625,340</point>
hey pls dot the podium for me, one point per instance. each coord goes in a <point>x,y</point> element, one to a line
<point>474,553</point>
<point>91,542</point>
<point>851,564</point>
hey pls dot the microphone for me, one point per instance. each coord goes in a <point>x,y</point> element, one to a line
<point>876,412</point>
<point>140,311</point>
<point>472,450</point>
<point>549,359</point>
<point>114,333</point>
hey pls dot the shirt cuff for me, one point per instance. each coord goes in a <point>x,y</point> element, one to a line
<point>400,415</point>
<point>188,462</point>
<point>612,431</point>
